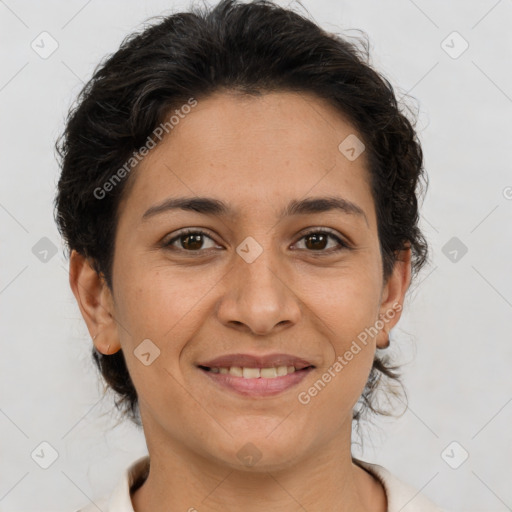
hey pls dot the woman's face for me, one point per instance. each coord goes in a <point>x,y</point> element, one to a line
<point>277,280</point>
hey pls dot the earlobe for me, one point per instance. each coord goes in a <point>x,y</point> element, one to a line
<point>94,299</point>
<point>393,295</point>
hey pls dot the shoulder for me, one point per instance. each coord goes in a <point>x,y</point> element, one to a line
<point>120,499</point>
<point>401,496</point>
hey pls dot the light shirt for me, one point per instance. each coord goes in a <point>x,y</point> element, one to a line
<point>401,497</point>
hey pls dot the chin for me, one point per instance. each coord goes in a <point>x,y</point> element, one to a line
<point>262,453</point>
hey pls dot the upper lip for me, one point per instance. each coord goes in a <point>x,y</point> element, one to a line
<point>257,361</point>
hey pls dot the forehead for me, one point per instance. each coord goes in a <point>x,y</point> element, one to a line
<point>253,151</point>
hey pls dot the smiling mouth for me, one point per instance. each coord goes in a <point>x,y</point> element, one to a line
<point>255,373</point>
<point>256,382</point>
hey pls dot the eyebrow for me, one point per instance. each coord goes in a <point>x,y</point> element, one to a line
<point>211,206</point>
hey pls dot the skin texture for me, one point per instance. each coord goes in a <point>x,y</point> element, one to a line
<point>256,154</point>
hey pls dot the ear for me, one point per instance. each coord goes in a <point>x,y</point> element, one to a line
<point>393,294</point>
<point>96,304</point>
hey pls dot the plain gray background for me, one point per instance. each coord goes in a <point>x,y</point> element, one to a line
<point>454,337</point>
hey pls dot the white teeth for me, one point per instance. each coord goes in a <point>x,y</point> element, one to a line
<point>282,370</point>
<point>255,373</point>
<point>268,373</point>
<point>236,371</point>
<point>251,373</point>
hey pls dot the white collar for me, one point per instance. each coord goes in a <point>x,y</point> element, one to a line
<point>401,496</point>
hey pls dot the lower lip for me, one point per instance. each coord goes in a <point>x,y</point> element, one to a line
<point>258,387</point>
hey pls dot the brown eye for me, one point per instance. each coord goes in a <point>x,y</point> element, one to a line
<point>316,241</point>
<point>192,242</point>
<point>189,241</point>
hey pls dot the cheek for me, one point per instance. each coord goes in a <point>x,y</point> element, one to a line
<point>167,310</point>
<point>349,307</point>
<point>348,303</point>
<point>341,381</point>
<point>156,303</point>
<point>155,320</point>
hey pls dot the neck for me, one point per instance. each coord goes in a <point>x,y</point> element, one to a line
<point>327,480</point>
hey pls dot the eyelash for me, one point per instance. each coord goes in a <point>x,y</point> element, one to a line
<point>189,231</point>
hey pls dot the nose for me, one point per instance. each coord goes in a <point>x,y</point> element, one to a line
<point>257,297</point>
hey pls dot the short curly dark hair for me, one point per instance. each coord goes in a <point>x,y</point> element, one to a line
<point>251,48</point>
